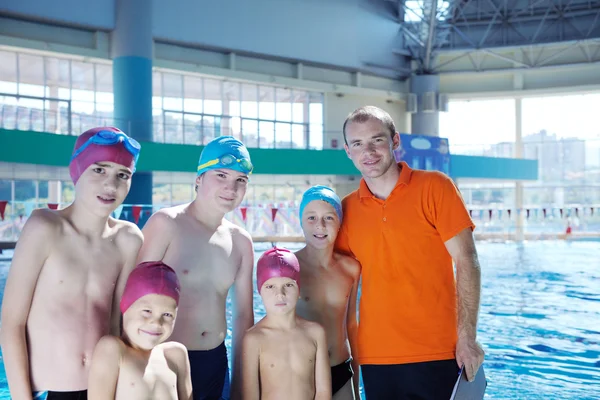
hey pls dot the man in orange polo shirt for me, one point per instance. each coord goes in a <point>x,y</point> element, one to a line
<point>417,325</point>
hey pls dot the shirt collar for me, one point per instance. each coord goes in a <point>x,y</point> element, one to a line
<point>403,179</point>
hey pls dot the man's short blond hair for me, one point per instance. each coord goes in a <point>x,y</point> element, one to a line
<point>367,113</point>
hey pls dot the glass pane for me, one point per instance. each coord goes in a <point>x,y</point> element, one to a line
<point>250,132</point>
<point>8,72</point>
<point>299,136</point>
<point>193,94</point>
<point>266,105</point>
<point>249,107</point>
<point>82,76</point>
<point>104,79</point>
<point>172,92</point>
<point>173,127</point>
<point>267,135</point>
<point>157,89</point>
<point>58,78</point>
<point>182,193</point>
<point>68,192</point>
<point>193,129</point>
<point>31,73</point>
<point>161,194</point>
<point>231,98</point>
<point>213,103</point>
<point>283,138</point>
<point>283,107</point>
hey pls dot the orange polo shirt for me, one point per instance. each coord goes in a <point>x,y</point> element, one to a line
<point>408,303</point>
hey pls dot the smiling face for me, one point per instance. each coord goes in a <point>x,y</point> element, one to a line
<point>279,295</point>
<point>371,147</point>
<point>149,321</point>
<point>320,224</point>
<point>223,189</point>
<point>103,186</point>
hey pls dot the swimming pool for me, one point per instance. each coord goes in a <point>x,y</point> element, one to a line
<point>539,319</point>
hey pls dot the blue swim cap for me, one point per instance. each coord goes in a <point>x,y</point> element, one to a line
<point>225,152</point>
<point>324,193</point>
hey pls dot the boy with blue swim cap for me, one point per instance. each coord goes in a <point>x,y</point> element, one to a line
<point>68,272</point>
<point>329,286</point>
<point>210,255</point>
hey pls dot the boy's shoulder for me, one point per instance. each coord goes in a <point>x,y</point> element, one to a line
<point>239,234</point>
<point>349,264</point>
<point>127,232</point>
<point>44,223</point>
<point>109,347</point>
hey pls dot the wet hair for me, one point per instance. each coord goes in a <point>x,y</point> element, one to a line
<point>367,113</point>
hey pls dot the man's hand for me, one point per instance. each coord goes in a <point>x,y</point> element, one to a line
<point>470,354</point>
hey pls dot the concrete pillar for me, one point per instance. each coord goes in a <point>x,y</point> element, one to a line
<point>518,153</point>
<point>426,88</point>
<point>132,84</point>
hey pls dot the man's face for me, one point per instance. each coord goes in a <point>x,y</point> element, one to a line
<point>320,224</point>
<point>371,147</point>
<point>279,295</point>
<point>150,320</point>
<point>223,188</point>
<point>103,187</point>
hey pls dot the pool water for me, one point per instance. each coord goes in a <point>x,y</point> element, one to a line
<point>539,321</point>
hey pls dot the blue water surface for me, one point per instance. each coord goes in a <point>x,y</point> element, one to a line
<point>539,321</point>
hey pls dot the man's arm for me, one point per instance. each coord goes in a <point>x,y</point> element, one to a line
<point>322,368</point>
<point>468,279</point>
<point>353,267</point>
<point>250,368</point>
<point>104,372</point>
<point>243,311</point>
<point>33,248</point>
<point>158,231</point>
<point>129,244</point>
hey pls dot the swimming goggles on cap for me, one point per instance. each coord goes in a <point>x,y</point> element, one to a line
<point>227,160</point>
<point>108,138</point>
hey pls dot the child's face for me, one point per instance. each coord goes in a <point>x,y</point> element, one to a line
<point>149,321</point>
<point>103,186</point>
<point>320,224</point>
<point>224,188</point>
<point>279,295</point>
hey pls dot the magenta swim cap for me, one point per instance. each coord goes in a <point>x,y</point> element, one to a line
<point>151,277</point>
<point>275,263</point>
<point>94,153</point>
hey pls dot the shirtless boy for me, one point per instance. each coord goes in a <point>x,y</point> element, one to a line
<point>210,255</point>
<point>284,356</point>
<point>139,365</point>
<point>329,286</point>
<point>68,272</point>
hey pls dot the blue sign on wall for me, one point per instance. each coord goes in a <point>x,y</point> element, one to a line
<point>424,152</point>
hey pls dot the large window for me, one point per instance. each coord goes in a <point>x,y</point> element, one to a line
<point>62,95</point>
<point>194,110</point>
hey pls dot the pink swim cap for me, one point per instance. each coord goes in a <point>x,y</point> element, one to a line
<point>275,263</point>
<point>94,153</point>
<point>151,277</point>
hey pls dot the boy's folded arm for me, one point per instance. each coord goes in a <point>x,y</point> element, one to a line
<point>322,368</point>
<point>104,372</point>
<point>158,231</point>
<point>30,255</point>
<point>179,354</point>
<point>250,388</point>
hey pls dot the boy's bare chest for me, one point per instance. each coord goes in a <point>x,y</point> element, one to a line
<point>197,254</point>
<point>147,380</point>
<point>96,264</point>
<point>296,349</point>
<point>329,290</point>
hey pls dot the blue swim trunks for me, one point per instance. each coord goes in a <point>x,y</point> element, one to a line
<point>210,373</point>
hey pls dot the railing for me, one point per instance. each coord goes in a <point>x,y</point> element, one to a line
<point>281,221</point>
<point>44,114</point>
